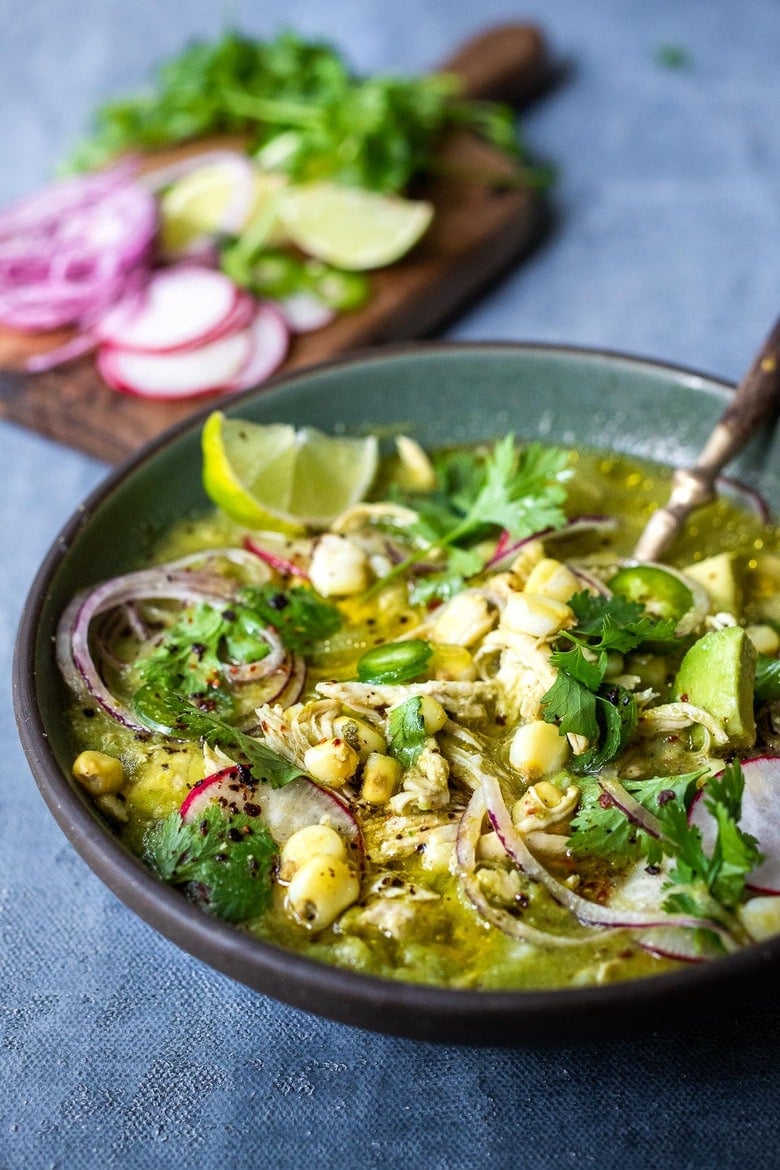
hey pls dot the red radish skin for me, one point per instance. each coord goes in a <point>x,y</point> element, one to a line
<point>270,342</point>
<point>207,369</point>
<point>760,818</point>
<point>283,810</point>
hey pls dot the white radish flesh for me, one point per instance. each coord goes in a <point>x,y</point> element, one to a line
<point>269,345</point>
<point>185,374</point>
<point>283,810</point>
<point>303,312</point>
<point>760,817</point>
<point>181,306</point>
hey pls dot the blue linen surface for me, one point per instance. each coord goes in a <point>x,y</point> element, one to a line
<point>118,1050</point>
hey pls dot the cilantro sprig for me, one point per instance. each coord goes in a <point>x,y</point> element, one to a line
<point>601,829</point>
<point>407,735</point>
<point>516,491</point>
<point>580,701</point>
<point>223,862</point>
<point>703,883</point>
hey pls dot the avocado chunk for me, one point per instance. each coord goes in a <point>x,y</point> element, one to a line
<point>717,674</point>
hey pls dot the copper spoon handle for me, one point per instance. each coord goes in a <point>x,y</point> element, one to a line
<point>756,401</point>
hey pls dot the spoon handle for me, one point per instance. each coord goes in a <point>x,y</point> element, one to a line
<point>756,401</point>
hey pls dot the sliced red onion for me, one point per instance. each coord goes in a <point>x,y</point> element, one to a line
<point>291,557</point>
<point>177,580</point>
<point>590,913</point>
<point>506,549</point>
<point>68,252</point>
<point>631,809</point>
<point>294,685</point>
<point>590,581</point>
<point>469,831</point>
<point>263,667</point>
<point>760,817</point>
<point>72,651</point>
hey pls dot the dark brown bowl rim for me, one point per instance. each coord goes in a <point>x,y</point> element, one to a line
<point>421,1011</point>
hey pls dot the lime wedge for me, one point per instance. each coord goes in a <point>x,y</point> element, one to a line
<point>350,227</point>
<point>272,476</point>
<point>196,204</point>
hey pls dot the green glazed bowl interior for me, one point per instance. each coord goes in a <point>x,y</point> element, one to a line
<point>441,394</point>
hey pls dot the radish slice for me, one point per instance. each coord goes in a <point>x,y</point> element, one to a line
<point>270,342</point>
<point>760,817</point>
<point>182,306</point>
<point>283,810</point>
<point>303,312</point>
<point>185,374</point>
<point>687,946</point>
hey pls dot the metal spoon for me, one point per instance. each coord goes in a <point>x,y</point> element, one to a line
<point>756,401</point>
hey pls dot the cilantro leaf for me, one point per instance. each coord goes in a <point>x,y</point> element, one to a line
<point>407,731</point>
<point>578,668</point>
<point>702,880</point>
<point>299,615</point>
<point>223,862</point>
<point>311,116</point>
<point>572,706</point>
<point>171,714</point>
<point>516,491</point>
<point>580,700</point>
<point>602,829</point>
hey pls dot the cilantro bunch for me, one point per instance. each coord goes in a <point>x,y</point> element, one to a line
<point>580,701</point>
<point>307,111</point>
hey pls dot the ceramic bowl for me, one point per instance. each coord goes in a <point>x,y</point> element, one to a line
<point>441,393</point>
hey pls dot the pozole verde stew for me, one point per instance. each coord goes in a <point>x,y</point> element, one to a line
<point>458,738</point>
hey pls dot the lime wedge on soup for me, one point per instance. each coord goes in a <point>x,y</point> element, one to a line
<point>272,476</point>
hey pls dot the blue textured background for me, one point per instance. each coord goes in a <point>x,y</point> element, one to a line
<point>119,1050</point>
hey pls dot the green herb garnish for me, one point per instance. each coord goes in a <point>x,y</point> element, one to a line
<point>702,883</point>
<point>580,701</point>
<point>299,615</point>
<point>518,492</point>
<point>601,828</point>
<point>171,714</point>
<point>305,110</point>
<point>223,862</point>
<point>407,731</point>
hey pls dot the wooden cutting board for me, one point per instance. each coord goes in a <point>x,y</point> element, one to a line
<point>478,232</point>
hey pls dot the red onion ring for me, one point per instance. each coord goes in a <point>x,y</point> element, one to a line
<point>67,252</point>
<point>589,913</point>
<point>465,856</point>
<point>506,549</point>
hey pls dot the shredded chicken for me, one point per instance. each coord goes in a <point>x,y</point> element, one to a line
<point>465,700</point>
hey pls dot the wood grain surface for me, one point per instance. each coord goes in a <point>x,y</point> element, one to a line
<point>478,232</point>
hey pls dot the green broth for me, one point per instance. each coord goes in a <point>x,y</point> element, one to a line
<point>447,942</point>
